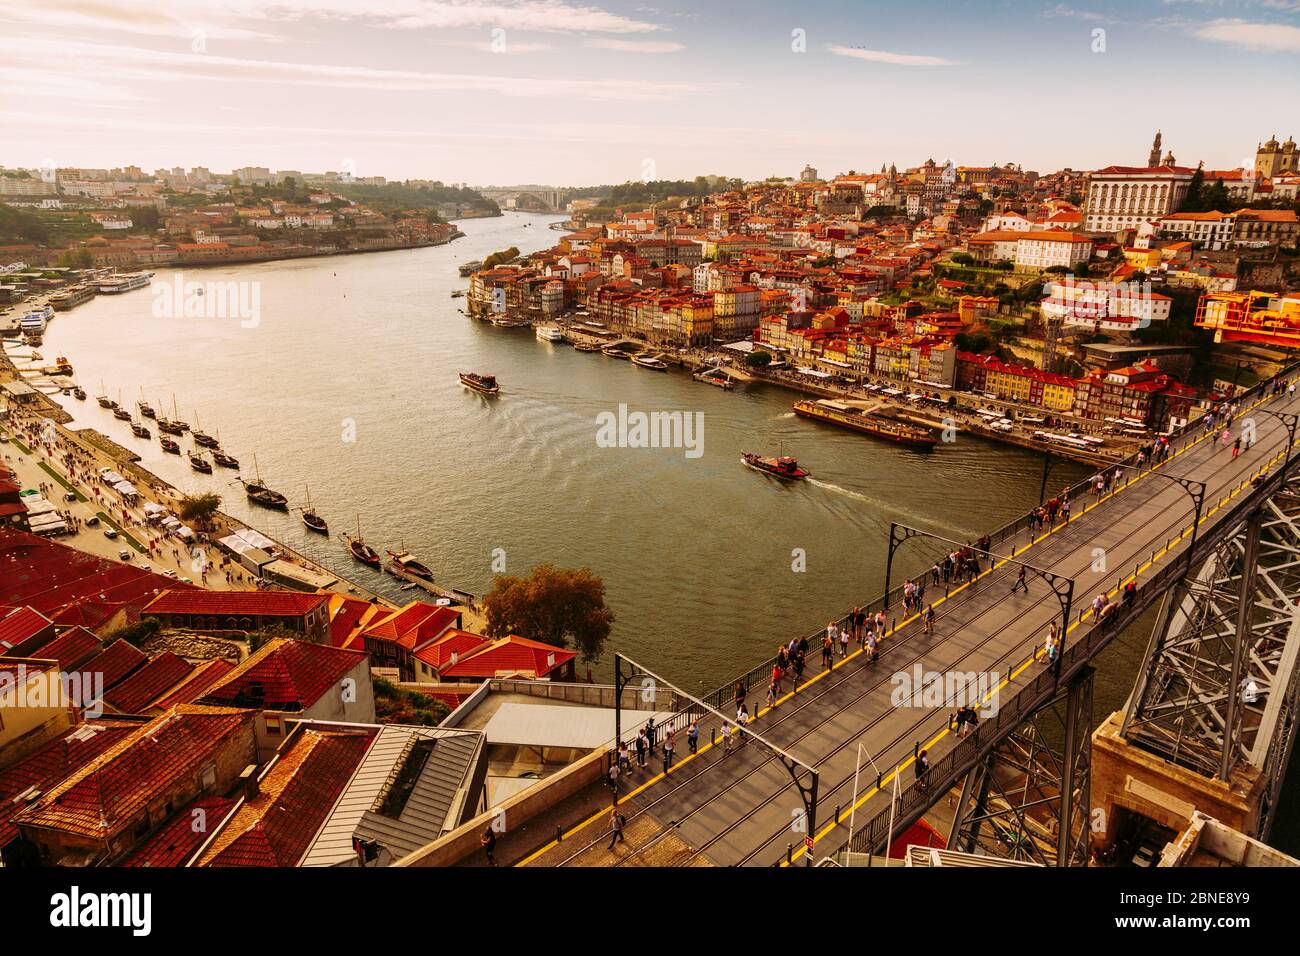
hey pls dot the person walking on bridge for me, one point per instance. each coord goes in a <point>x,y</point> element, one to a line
<point>616,824</point>
<point>928,618</point>
<point>693,737</point>
<point>922,769</point>
<point>1236,448</point>
<point>650,730</point>
<point>1225,440</point>
<point>641,747</point>
<point>844,643</point>
<point>670,742</point>
<point>1020,581</point>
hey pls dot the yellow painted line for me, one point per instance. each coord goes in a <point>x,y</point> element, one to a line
<point>578,827</point>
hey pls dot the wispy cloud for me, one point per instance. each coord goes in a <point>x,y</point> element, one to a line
<point>884,56</point>
<point>1068,12</point>
<point>1275,37</point>
<point>635,46</point>
<point>507,46</point>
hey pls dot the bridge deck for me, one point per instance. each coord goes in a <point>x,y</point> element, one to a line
<point>738,808</point>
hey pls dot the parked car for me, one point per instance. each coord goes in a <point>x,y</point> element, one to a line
<point>70,496</point>
<point>109,533</point>
<point>93,522</point>
<point>124,554</point>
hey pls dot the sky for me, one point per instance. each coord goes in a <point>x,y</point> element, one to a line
<point>582,92</point>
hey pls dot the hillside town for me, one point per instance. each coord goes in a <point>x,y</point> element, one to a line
<point>126,218</point>
<point>1113,296</point>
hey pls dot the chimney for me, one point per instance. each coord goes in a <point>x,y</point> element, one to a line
<point>248,782</point>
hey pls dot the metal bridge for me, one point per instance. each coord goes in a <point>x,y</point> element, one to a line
<point>833,762</point>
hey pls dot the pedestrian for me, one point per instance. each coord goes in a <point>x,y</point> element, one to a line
<point>650,735</point>
<point>669,746</point>
<point>778,675</point>
<point>616,824</point>
<point>742,719</point>
<point>871,646</point>
<point>693,737</point>
<point>828,651</point>
<point>922,768</point>
<point>624,764</point>
<point>489,843</point>
<point>844,643</point>
<point>740,694</point>
<point>928,617</point>
<point>726,738</point>
<point>1236,448</point>
<point>1225,439</point>
<point>612,777</point>
<point>1020,581</point>
<point>1098,603</point>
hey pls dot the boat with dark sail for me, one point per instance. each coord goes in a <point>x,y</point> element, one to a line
<point>259,494</point>
<point>406,562</point>
<point>199,463</point>
<point>311,519</point>
<point>485,384</point>
<point>169,445</point>
<point>225,461</point>
<point>202,439</point>
<point>785,467</point>
<point>854,419</point>
<point>140,431</point>
<point>359,549</point>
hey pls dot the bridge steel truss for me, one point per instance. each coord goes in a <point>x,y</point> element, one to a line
<point>1218,692</point>
<point>1025,775</point>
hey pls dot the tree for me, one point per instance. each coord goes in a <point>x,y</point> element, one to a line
<point>553,605</point>
<point>758,359</point>
<point>199,508</point>
<point>963,258</point>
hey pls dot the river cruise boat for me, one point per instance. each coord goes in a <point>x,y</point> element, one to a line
<point>549,333</point>
<point>406,562</point>
<point>785,468</point>
<point>854,419</point>
<point>71,298</point>
<point>469,268</point>
<point>651,362</point>
<point>486,384</point>
<point>33,323</point>
<point>115,285</point>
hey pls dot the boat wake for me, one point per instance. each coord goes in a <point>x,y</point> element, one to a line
<point>777,418</point>
<point>843,491</point>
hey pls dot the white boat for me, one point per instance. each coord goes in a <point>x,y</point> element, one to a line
<point>548,333</point>
<point>32,323</point>
<point>650,361</point>
<point>125,283</point>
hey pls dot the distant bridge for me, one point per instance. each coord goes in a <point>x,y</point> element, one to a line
<point>530,199</point>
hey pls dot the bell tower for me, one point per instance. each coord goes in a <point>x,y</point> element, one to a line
<point>1153,159</point>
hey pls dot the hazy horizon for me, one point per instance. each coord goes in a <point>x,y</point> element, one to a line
<point>584,92</point>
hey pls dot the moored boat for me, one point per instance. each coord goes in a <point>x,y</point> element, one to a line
<point>200,438</point>
<point>146,410</point>
<point>650,361</point>
<point>169,446</point>
<point>258,492</point>
<point>79,393</point>
<point>549,333</point>
<point>224,460</point>
<point>140,431</point>
<point>486,384</point>
<point>199,463</point>
<point>405,561</point>
<point>785,467</point>
<point>587,347</point>
<point>360,550</point>
<point>311,519</point>
<point>846,416</point>
<point>613,351</point>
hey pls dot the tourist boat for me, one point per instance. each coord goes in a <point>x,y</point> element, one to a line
<point>225,461</point>
<point>311,519</point>
<point>650,361</point>
<point>120,413</point>
<point>785,468</point>
<point>33,323</point>
<point>360,550</point>
<point>714,377</point>
<point>549,333</point>
<point>79,393</point>
<point>199,463</point>
<point>172,426</point>
<point>486,384</point>
<point>102,397</point>
<point>846,416</point>
<point>201,439</point>
<point>125,283</point>
<point>614,351</point>
<point>260,494</point>
<point>169,446</point>
<point>140,431</point>
<point>73,297</point>
<point>587,347</point>
<point>405,561</point>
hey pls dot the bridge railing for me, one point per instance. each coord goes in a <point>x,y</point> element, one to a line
<point>1012,531</point>
<point>947,771</point>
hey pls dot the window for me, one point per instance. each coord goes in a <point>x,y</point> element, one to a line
<point>273,726</point>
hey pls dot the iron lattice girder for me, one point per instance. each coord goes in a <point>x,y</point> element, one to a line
<point>1028,800</point>
<point>1182,710</point>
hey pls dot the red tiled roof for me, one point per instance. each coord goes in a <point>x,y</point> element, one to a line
<point>458,642</point>
<point>107,794</point>
<point>91,614</point>
<point>295,795</point>
<point>48,765</point>
<point>19,624</point>
<point>511,655</point>
<point>414,624</point>
<point>179,838</point>
<point>71,649</point>
<point>133,695</point>
<point>237,603</point>
<point>200,679</point>
<point>117,661</point>
<point>285,675</point>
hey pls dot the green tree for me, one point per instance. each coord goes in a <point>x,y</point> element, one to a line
<point>199,508</point>
<point>963,258</point>
<point>758,359</point>
<point>553,605</point>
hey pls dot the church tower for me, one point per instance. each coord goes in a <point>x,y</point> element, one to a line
<point>1154,158</point>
